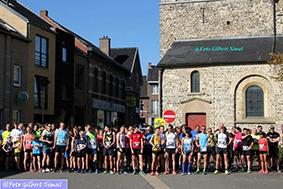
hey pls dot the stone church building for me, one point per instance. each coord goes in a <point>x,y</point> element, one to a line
<point>213,66</point>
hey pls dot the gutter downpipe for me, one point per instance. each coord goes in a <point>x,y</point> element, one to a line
<point>274,25</point>
<point>161,92</point>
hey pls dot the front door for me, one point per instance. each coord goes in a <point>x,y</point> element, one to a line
<point>196,119</point>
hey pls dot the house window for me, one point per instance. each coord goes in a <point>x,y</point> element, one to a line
<point>154,107</point>
<point>154,89</point>
<point>41,51</point>
<point>40,92</point>
<point>16,115</point>
<point>195,82</point>
<point>17,76</point>
<point>64,55</point>
<point>254,102</point>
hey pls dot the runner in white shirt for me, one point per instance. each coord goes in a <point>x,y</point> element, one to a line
<point>17,136</point>
<point>221,150</point>
<point>171,143</point>
<point>121,148</point>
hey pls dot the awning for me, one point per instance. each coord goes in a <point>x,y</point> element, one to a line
<point>244,50</point>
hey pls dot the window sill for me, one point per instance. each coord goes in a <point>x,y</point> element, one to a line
<point>256,120</point>
<point>196,94</point>
<point>41,67</point>
<point>16,85</point>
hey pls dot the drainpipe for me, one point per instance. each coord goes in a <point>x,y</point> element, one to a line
<point>161,92</point>
<point>274,24</point>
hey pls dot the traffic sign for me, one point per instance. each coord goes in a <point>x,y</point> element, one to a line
<point>159,122</point>
<point>169,116</point>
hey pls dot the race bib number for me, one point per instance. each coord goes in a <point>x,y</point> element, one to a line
<point>61,141</point>
<point>238,141</point>
<point>245,148</point>
<point>137,143</point>
<point>108,143</point>
<point>261,146</point>
<point>28,142</point>
<point>203,149</point>
<point>93,144</point>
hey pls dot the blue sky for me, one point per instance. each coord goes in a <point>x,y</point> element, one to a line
<point>129,23</point>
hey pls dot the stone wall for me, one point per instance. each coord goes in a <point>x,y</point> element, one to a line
<point>192,19</point>
<point>221,87</point>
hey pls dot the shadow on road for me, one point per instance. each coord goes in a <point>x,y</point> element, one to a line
<point>4,174</point>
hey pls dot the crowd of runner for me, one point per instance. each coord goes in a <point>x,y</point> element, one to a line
<point>178,150</point>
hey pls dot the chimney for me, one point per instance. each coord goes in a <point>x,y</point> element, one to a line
<point>104,45</point>
<point>149,66</point>
<point>8,2</point>
<point>44,13</point>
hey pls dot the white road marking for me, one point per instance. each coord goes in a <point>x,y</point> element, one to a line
<point>155,182</point>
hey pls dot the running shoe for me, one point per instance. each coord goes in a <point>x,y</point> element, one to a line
<point>198,172</point>
<point>142,173</point>
<point>266,172</point>
<point>165,173</point>
<point>43,170</point>
<point>227,172</point>
<point>182,173</point>
<point>112,172</point>
<point>261,171</point>
<point>152,174</point>
<point>105,172</point>
<point>249,171</point>
<point>174,173</point>
<point>189,173</point>
<point>134,172</point>
<point>216,172</point>
<point>204,173</point>
<point>156,173</point>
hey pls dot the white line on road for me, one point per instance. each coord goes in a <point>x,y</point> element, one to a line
<point>155,182</point>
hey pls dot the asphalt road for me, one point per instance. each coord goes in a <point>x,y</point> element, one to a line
<point>87,181</point>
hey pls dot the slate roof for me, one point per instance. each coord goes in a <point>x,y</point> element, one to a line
<point>124,56</point>
<point>153,74</point>
<point>28,14</point>
<point>220,51</point>
<point>143,88</point>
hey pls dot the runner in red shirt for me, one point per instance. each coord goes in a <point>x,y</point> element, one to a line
<point>136,145</point>
<point>263,151</point>
<point>28,138</point>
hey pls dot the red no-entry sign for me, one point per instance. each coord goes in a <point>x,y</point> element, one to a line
<point>169,116</point>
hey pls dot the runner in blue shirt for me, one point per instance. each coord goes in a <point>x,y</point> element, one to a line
<point>36,153</point>
<point>201,142</point>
